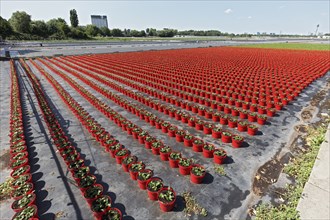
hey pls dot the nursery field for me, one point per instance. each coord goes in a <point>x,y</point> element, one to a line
<point>170,134</point>
<point>292,46</point>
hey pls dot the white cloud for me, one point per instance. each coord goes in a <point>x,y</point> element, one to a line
<point>228,11</point>
<point>250,17</point>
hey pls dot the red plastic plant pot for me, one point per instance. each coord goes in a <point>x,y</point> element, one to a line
<point>85,182</point>
<point>154,186</point>
<point>179,136</point>
<point>174,159</point>
<point>165,153</point>
<point>226,137</point>
<point>215,117</point>
<point>242,126</point>
<point>198,145</point>
<point>127,161</point>
<point>100,206</point>
<point>121,154</point>
<point>207,128</point>
<point>192,122</point>
<point>134,168</point>
<point>219,156</point>
<point>163,196</point>
<point>165,127</point>
<point>112,213</point>
<point>114,148</point>
<point>237,141</point>
<point>252,129</point>
<point>185,166</point>
<point>92,193</point>
<point>148,142</point>
<point>223,120</point>
<point>199,125</point>
<point>32,210</point>
<point>143,176</point>
<point>271,112</point>
<point>197,174</point>
<point>24,202</point>
<point>216,132</point>
<point>19,163</point>
<point>243,114</point>
<point>252,117</point>
<point>21,191</point>
<point>261,119</point>
<point>171,131</point>
<point>232,123</point>
<point>20,180</point>
<point>208,150</point>
<point>155,147</point>
<point>187,140</point>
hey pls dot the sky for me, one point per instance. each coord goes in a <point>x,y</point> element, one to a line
<point>286,17</point>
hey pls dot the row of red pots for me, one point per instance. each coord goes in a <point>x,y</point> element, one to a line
<point>86,120</point>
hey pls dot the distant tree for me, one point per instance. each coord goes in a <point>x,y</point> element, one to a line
<point>74,18</point>
<point>147,31</point>
<point>77,33</point>
<point>20,21</point>
<point>152,32</point>
<point>116,32</point>
<point>5,28</point>
<point>167,32</point>
<point>105,31</point>
<point>58,28</point>
<point>39,28</point>
<point>92,30</point>
<point>143,33</point>
<point>135,33</point>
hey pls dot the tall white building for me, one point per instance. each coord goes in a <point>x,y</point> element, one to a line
<point>99,20</point>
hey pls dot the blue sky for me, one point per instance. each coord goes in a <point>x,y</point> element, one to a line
<point>293,17</point>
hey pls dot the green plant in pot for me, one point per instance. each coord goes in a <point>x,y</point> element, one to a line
<point>122,152</point>
<point>19,171</point>
<point>209,147</point>
<point>136,167</point>
<point>76,164</point>
<point>21,180</point>
<point>115,147</point>
<point>22,190</point>
<point>144,175</point>
<point>101,204</point>
<point>112,214</point>
<point>167,195</point>
<point>175,156</point>
<point>19,156</point>
<point>93,192</point>
<point>185,162</point>
<point>25,214</point>
<point>165,149</point>
<point>18,163</point>
<point>155,185</point>
<point>198,170</point>
<point>157,144</point>
<point>81,172</point>
<point>129,160</point>
<point>24,201</point>
<point>220,152</point>
<point>87,181</point>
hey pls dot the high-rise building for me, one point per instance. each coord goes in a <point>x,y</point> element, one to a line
<point>99,20</point>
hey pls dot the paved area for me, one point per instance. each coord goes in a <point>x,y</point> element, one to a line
<point>315,202</point>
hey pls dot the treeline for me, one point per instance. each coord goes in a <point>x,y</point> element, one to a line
<point>21,27</point>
